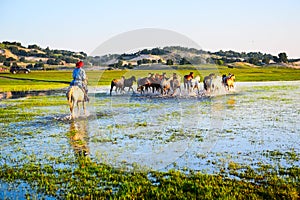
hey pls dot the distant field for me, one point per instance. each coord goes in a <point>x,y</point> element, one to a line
<point>42,80</point>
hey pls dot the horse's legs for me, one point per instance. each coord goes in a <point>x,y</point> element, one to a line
<point>78,108</point>
<point>111,87</point>
<point>84,108</point>
<point>131,89</point>
<point>73,106</point>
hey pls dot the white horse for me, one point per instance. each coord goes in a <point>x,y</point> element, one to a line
<point>217,85</point>
<point>195,83</point>
<point>175,84</point>
<point>75,96</point>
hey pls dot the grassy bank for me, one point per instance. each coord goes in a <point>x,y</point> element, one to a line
<point>93,181</point>
<point>43,80</point>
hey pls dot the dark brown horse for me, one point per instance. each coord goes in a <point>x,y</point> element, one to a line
<point>187,80</point>
<point>229,81</point>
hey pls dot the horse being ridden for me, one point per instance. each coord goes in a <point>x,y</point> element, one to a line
<point>80,79</point>
<point>75,95</point>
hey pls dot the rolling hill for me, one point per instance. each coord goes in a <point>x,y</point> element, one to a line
<point>36,57</point>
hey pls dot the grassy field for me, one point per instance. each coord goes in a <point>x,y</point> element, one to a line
<point>45,80</point>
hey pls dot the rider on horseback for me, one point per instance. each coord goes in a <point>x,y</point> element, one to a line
<point>80,79</point>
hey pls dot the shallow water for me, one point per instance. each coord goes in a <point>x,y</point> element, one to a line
<point>140,132</point>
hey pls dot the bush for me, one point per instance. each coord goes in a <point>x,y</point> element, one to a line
<point>6,63</point>
<point>170,62</point>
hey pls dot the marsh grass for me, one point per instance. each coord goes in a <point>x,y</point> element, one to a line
<point>91,180</point>
<point>20,110</point>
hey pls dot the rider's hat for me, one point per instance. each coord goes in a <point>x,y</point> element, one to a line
<point>79,64</point>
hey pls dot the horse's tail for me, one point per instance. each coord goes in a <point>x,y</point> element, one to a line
<point>111,86</point>
<point>204,84</point>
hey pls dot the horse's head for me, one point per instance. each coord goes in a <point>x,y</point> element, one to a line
<point>192,74</point>
<point>212,75</point>
<point>133,78</point>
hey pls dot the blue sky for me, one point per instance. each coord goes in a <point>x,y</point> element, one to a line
<point>257,25</point>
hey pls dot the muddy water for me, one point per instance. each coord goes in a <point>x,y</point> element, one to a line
<point>134,132</point>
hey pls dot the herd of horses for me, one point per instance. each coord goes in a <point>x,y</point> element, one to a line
<point>172,85</point>
<point>157,83</point>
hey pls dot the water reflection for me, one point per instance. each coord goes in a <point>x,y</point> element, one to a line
<point>78,135</point>
<point>231,102</point>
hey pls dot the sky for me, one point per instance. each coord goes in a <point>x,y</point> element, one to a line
<point>268,26</point>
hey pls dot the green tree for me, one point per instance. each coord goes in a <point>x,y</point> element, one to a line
<point>6,63</point>
<point>253,60</point>
<point>208,60</point>
<point>184,61</point>
<point>14,64</point>
<point>29,66</point>
<point>119,64</point>
<point>22,59</point>
<point>10,59</point>
<point>170,62</point>
<point>2,58</point>
<point>276,59</point>
<point>39,65</point>
<point>266,60</point>
<point>14,49</point>
<point>34,46</point>
<point>219,62</point>
<point>283,57</point>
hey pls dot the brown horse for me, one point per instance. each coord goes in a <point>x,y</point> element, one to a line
<point>118,83</point>
<point>228,81</point>
<point>187,80</point>
<point>75,95</point>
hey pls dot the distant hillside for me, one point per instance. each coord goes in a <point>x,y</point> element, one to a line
<point>34,56</point>
<point>176,55</point>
